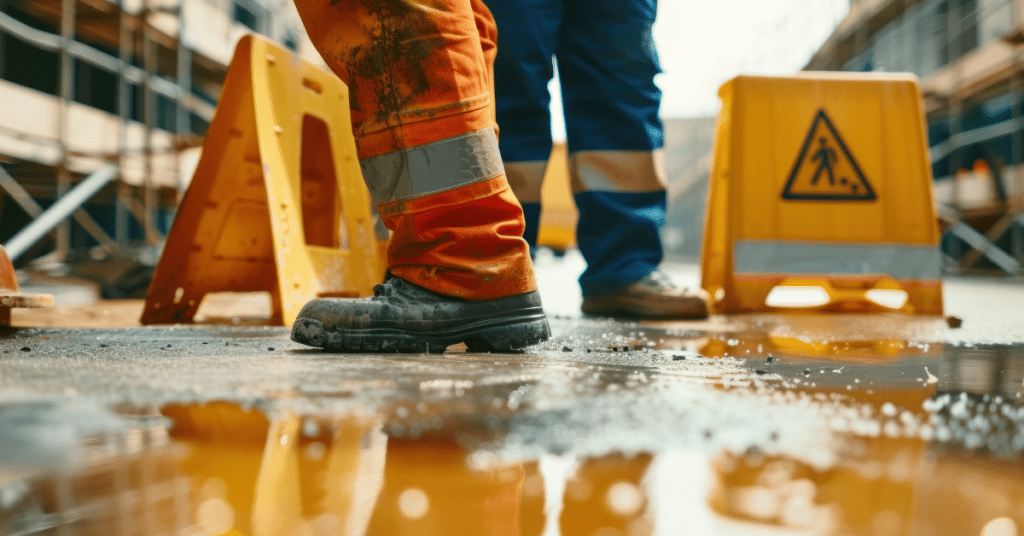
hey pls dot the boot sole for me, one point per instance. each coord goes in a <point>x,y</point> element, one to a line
<point>505,335</point>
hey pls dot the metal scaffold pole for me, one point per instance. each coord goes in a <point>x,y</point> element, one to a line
<point>149,60</point>
<point>59,212</point>
<point>67,34</point>
<point>1017,138</point>
<point>126,47</point>
<point>184,120</point>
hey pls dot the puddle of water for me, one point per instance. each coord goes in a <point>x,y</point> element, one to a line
<point>219,468</point>
<point>761,425</point>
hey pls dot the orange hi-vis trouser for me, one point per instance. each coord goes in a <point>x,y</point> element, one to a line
<point>419,78</point>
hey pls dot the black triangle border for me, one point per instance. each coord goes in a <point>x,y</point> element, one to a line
<point>868,195</point>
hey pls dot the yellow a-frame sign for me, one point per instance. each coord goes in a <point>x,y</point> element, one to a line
<point>277,202</point>
<point>845,206</point>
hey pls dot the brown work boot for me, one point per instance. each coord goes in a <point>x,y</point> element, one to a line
<point>652,297</point>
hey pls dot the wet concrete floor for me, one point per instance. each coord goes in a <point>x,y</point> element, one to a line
<point>743,425</point>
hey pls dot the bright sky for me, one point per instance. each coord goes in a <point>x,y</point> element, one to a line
<point>703,43</point>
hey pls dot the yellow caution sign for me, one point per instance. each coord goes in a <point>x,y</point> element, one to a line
<point>822,180</point>
<point>558,216</point>
<point>277,202</point>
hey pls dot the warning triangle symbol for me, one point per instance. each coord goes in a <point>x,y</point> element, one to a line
<point>825,169</point>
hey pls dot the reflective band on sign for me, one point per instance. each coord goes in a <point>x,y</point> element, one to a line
<point>433,167</point>
<point>902,261</point>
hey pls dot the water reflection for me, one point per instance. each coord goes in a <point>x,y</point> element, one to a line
<point>844,426</point>
<point>81,469</point>
<point>219,468</point>
<point>314,476</point>
<point>942,454</point>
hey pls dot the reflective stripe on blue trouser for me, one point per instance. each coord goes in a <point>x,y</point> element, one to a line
<point>606,64</point>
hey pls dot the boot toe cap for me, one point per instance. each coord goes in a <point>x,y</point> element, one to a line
<point>333,313</point>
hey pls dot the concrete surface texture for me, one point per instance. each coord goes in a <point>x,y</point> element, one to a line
<point>750,424</point>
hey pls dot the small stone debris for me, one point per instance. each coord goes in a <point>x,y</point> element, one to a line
<point>104,346</point>
<point>566,349</point>
<point>26,349</point>
<point>807,372</point>
<point>760,371</point>
<point>271,348</point>
<point>770,359</point>
<point>679,358</point>
<point>168,345</point>
<point>954,321</point>
<point>589,350</point>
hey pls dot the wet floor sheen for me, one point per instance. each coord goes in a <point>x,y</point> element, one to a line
<point>749,425</point>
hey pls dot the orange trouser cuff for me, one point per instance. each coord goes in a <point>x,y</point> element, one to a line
<point>466,242</point>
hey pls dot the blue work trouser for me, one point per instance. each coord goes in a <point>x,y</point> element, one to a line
<point>606,66</point>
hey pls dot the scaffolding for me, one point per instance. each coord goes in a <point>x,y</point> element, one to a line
<point>135,86</point>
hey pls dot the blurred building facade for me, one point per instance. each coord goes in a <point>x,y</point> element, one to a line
<point>969,55</point>
<point>86,84</point>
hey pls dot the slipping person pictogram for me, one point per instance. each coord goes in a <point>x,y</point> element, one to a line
<point>825,169</point>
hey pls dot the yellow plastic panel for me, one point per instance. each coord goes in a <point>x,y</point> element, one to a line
<point>558,216</point>
<point>821,179</point>
<point>277,202</point>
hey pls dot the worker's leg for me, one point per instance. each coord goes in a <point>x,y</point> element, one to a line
<point>421,110</point>
<point>527,36</point>
<point>607,63</point>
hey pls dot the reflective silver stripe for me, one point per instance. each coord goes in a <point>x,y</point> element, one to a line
<point>617,171</point>
<point>432,167</point>
<point>526,178</point>
<point>904,261</point>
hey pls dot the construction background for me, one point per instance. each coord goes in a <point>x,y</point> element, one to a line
<point>773,423</point>
<point>87,85</point>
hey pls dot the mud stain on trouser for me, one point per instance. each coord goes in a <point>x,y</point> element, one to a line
<point>395,62</point>
<point>406,62</point>
<point>390,70</point>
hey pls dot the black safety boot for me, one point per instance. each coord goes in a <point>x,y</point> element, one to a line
<point>653,297</point>
<point>403,317</point>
